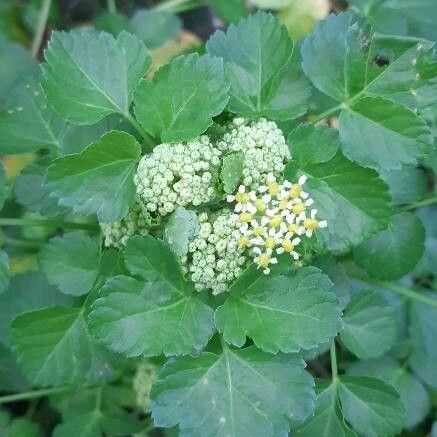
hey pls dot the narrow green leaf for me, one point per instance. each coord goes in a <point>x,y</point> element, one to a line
<point>89,75</point>
<point>242,393</point>
<point>71,262</point>
<point>231,171</point>
<point>4,271</point>
<point>388,248</point>
<point>99,179</point>
<point>265,78</point>
<point>369,325</point>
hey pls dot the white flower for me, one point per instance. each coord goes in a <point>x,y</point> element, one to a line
<point>311,223</point>
<point>264,259</point>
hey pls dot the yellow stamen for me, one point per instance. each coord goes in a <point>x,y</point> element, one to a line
<point>242,197</point>
<point>245,217</point>
<point>258,231</point>
<point>311,223</point>
<point>243,241</point>
<point>260,205</point>
<point>275,221</point>
<point>288,246</point>
<point>295,190</point>
<point>273,188</point>
<point>263,260</point>
<point>270,243</point>
<point>298,208</point>
<point>292,227</point>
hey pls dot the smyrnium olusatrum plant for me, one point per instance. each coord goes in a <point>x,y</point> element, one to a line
<point>240,213</point>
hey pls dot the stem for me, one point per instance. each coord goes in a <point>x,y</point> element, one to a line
<point>40,27</point>
<point>399,289</point>
<point>334,368</point>
<point>46,223</point>
<point>177,5</point>
<point>326,113</point>
<point>420,203</point>
<point>34,394</point>
<point>112,8</point>
<point>148,140</point>
<point>15,242</point>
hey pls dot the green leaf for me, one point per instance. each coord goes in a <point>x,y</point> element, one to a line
<point>369,325</point>
<point>241,393</point>
<point>154,315</point>
<point>71,262</point>
<point>231,10</point>
<point>413,394</point>
<point>3,186</point>
<point>181,226</point>
<point>96,412</point>
<point>428,263</point>
<point>286,313</point>
<point>231,171</point>
<point>371,406</point>
<point>328,420</point>
<point>17,299</point>
<point>89,75</point>
<point>404,235</point>
<point>380,134</point>
<point>12,379</point>
<point>4,271</point>
<point>53,347</point>
<point>27,106</point>
<point>99,179</point>
<point>184,95</point>
<point>265,78</point>
<point>112,23</point>
<point>155,28</point>
<point>353,200</point>
<point>423,327</point>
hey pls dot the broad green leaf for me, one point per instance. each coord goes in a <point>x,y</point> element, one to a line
<point>99,179</point>
<point>230,11</point>
<point>96,412</point>
<point>89,75</point>
<point>53,347</point>
<point>328,420</point>
<point>181,226</point>
<point>352,199</point>
<point>28,122</point>
<point>423,327</point>
<point>27,292</point>
<point>231,171</point>
<point>154,315</point>
<point>184,95</point>
<point>286,313</point>
<point>424,367</point>
<point>19,427</point>
<point>371,406</point>
<point>388,248</point>
<point>240,393</point>
<point>4,271</point>
<point>12,378</point>
<point>71,262</point>
<point>31,192</point>
<point>112,23</point>
<point>369,325</point>
<point>407,185</point>
<point>380,134</point>
<point>413,394</point>
<point>155,28</point>
<point>265,77</point>
<point>428,263</point>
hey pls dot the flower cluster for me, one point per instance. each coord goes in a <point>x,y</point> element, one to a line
<point>178,174</point>
<point>214,259</point>
<point>264,146</point>
<point>145,376</point>
<point>137,222</point>
<point>273,218</point>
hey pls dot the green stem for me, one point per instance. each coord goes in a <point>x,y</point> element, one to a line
<point>325,114</point>
<point>40,26</point>
<point>15,242</point>
<point>334,368</point>
<point>148,140</point>
<point>420,203</point>
<point>34,394</point>
<point>399,289</point>
<point>177,5</point>
<point>112,8</point>
<point>51,223</point>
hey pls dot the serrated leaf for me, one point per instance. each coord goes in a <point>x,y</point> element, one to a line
<point>53,347</point>
<point>413,394</point>
<point>231,171</point>
<point>184,95</point>
<point>89,75</point>
<point>181,226</point>
<point>154,315</point>
<point>380,134</point>
<point>369,325</point>
<point>286,313</point>
<point>328,420</point>
<point>265,78</point>
<point>155,28</point>
<point>352,199</point>
<point>99,179</point>
<point>241,393</point>
<point>4,271</point>
<point>71,262</point>
<point>371,406</point>
<point>388,248</point>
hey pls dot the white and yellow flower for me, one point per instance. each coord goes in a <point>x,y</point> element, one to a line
<point>264,258</point>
